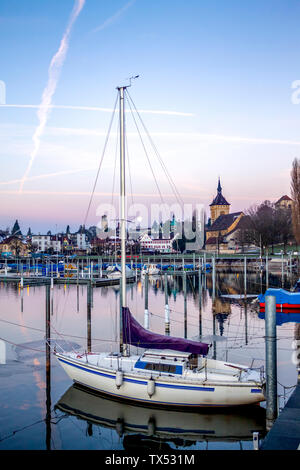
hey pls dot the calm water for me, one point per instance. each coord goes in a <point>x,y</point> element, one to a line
<point>40,409</point>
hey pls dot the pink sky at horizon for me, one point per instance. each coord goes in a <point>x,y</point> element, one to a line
<point>43,212</point>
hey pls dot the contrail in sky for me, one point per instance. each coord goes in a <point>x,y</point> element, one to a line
<point>114,17</point>
<point>53,76</point>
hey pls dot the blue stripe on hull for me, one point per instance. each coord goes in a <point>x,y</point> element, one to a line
<point>141,382</point>
<point>184,387</point>
<point>153,402</point>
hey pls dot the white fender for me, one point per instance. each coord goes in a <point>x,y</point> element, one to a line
<point>119,378</point>
<point>151,387</point>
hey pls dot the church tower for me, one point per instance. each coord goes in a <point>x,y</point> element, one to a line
<point>219,206</point>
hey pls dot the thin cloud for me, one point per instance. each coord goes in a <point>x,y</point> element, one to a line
<point>47,175</point>
<point>53,77</point>
<point>184,135</point>
<point>87,193</point>
<point>114,17</point>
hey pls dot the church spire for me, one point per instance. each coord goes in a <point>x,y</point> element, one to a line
<point>219,200</point>
<point>16,231</point>
<point>219,206</point>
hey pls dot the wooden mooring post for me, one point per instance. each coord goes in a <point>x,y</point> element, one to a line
<point>89,316</point>
<point>167,311</point>
<point>185,304</point>
<point>146,313</point>
<point>48,369</point>
<point>200,300</point>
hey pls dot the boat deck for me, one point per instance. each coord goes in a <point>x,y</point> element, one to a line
<point>201,375</point>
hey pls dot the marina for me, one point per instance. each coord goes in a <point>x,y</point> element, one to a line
<point>232,326</point>
<point>150,230</point>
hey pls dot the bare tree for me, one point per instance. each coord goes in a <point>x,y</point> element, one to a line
<point>283,219</point>
<point>262,226</point>
<point>268,225</point>
<point>295,193</point>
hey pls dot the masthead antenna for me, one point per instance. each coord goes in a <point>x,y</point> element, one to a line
<point>130,79</point>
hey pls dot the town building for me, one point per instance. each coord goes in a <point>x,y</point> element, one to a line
<point>285,202</point>
<point>14,246</point>
<point>80,240</point>
<point>16,231</point>
<point>219,206</point>
<point>43,243</point>
<point>162,245</point>
<point>223,233</point>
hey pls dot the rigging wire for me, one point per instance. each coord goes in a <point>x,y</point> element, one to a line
<point>115,165</point>
<point>101,160</point>
<point>129,168</point>
<point>171,182</point>
<point>145,150</point>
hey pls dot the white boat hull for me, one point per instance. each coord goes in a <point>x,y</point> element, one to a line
<point>168,392</point>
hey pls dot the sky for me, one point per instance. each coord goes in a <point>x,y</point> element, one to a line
<point>215,91</point>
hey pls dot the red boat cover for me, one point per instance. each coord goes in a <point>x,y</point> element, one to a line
<point>135,334</point>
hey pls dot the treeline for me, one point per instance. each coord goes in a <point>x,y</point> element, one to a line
<point>267,225</point>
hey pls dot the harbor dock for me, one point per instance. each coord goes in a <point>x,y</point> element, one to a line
<point>285,432</point>
<point>43,280</point>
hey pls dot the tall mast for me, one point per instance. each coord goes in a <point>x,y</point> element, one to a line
<point>122,197</point>
<point>122,194</point>
<point>123,206</point>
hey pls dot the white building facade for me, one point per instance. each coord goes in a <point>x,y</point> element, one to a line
<point>162,245</point>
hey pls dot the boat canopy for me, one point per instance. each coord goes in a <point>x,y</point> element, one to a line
<point>282,296</point>
<point>136,335</point>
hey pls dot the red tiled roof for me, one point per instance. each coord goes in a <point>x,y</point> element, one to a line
<point>284,198</point>
<point>11,238</point>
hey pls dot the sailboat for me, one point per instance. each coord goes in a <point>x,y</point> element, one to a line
<point>171,372</point>
<point>115,272</point>
<point>151,270</point>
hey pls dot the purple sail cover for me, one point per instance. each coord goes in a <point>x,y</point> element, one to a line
<point>135,334</point>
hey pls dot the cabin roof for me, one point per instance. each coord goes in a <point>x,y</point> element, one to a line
<point>165,353</point>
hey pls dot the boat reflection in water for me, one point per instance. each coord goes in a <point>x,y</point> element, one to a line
<point>149,427</point>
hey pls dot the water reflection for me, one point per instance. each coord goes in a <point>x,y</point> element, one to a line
<point>233,326</point>
<point>182,428</point>
<point>286,317</point>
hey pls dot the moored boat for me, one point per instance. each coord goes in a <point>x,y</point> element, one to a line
<point>285,300</point>
<point>115,272</point>
<point>151,270</point>
<point>171,371</point>
<point>175,372</point>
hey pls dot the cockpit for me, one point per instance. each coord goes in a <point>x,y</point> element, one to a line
<point>166,361</point>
